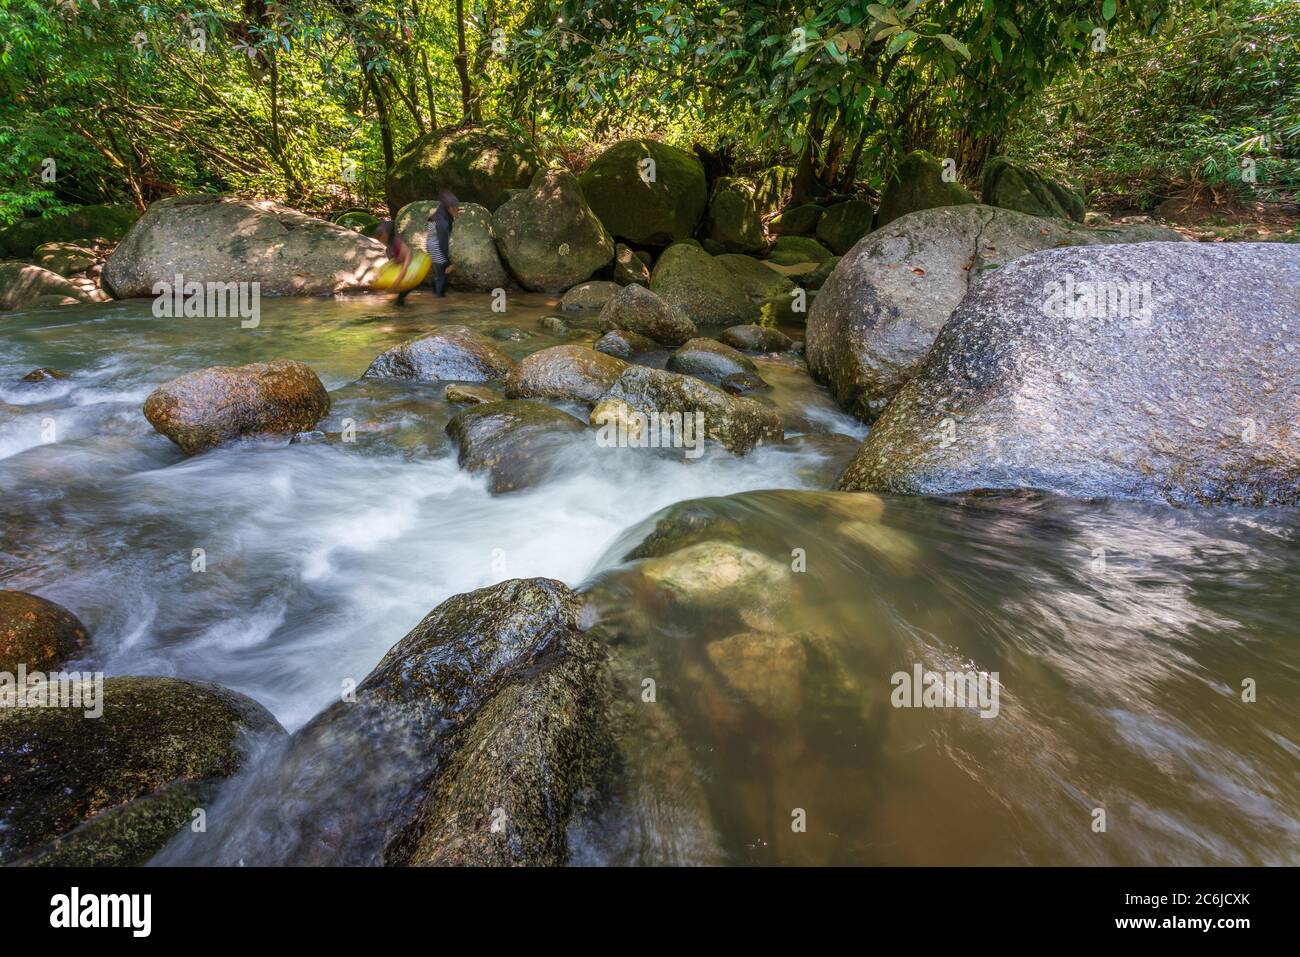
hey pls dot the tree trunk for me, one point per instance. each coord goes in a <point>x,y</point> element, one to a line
<point>462,64</point>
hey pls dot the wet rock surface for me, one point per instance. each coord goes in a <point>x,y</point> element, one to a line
<point>516,442</point>
<point>58,768</point>
<point>204,409</point>
<point>453,353</point>
<point>37,633</point>
<point>642,311</point>
<point>575,373</point>
<point>1162,371</point>
<point>709,360</point>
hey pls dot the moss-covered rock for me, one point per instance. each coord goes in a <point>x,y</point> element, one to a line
<point>26,286</point>
<point>19,240</point>
<point>797,221</point>
<point>567,373</point>
<point>549,236</point>
<point>356,220</point>
<point>479,164</point>
<point>635,207</point>
<point>640,310</point>
<point>917,184</point>
<point>700,286</point>
<point>844,224</point>
<point>516,443</point>
<point>733,219</point>
<point>453,353</point>
<point>37,633</point>
<point>204,409</point>
<point>477,266</point>
<point>789,250</point>
<point>227,239</point>
<point>1014,186</point>
<point>59,769</point>
<point>66,259</point>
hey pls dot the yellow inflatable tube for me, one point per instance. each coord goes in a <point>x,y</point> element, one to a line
<point>393,277</point>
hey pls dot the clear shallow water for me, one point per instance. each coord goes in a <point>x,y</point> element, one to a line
<point>1120,688</point>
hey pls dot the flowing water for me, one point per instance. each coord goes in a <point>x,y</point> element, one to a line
<point>1124,637</point>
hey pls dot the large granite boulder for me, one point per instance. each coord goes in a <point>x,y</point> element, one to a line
<point>479,164</point>
<point>1159,371</point>
<point>797,221</point>
<point>878,313</point>
<point>1014,186</point>
<point>700,286</point>
<point>118,772</point>
<point>452,354</point>
<point>225,239</point>
<point>917,184</point>
<point>632,205</point>
<point>548,235</point>
<point>204,409</point>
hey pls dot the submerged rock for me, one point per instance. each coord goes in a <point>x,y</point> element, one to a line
<point>709,360</point>
<point>917,184</point>
<point>712,576</point>
<point>516,441</point>
<point>738,424</point>
<point>58,768</point>
<point>638,309</point>
<point>1159,371</point>
<point>45,374</point>
<point>453,353</point>
<point>877,315</point>
<point>37,633</point>
<point>744,383</point>
<point>576,373</point>
<point>227,239</point>
<point>204,409</point>
<point>646,192</point>
<point>549,237</point>
<point>700,286</point>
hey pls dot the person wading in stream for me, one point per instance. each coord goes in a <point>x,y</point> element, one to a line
<point>396,250</point>
<point>438,240</point>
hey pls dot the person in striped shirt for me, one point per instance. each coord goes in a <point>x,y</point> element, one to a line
<point>438,240</point>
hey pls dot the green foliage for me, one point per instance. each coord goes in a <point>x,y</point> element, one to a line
<point>1182,109</point>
